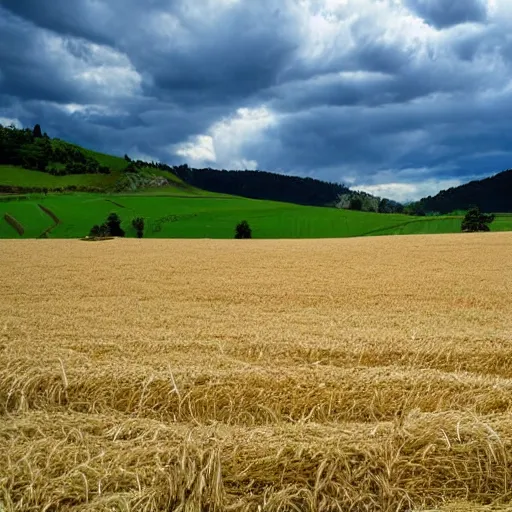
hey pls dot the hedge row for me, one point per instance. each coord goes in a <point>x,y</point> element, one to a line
<point>15,224</point>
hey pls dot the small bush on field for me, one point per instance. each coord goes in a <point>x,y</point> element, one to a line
<point>243,230</point>
<point>475,220</point>
<point>99,231</point>
<point>138,224</point>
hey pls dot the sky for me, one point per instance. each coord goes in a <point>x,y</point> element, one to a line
<point>400,98</point>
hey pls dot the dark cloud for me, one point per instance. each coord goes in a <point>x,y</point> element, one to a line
<point>78,18</point>
<point>24,65</point>
<point>446,13</point>
<point>359,91</point>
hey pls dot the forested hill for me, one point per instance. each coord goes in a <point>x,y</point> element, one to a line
<point>263,185</point>
<point>492,194</point>
<point>35,150</point>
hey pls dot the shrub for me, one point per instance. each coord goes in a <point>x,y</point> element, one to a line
<point>95,230</point>
<point>138,224</point>
<point>99,231</point>
<point>243,230</point>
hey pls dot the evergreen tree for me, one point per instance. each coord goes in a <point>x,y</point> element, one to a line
<point>37,132</point>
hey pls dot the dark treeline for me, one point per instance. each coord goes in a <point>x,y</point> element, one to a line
<point>492,194</point>
<point>264,185</point>
<point>28,148</point>
<point>32,149</point>
<point>254,184</point>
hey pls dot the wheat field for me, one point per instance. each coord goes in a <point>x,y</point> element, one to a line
<point>301,375</point>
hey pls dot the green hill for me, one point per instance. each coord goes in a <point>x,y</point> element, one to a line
<point>37,163</point>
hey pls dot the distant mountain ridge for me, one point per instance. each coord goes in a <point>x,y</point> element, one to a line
<point>493,194</point>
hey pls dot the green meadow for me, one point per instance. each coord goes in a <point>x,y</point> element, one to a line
<point>180,215</point>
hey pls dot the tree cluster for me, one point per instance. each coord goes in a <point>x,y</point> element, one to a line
<point>76,162</point>
<point>22,147</point>
<point>33,149</point>
<point>475,220</point>
<point>111,227</point>
<point>362,201</point>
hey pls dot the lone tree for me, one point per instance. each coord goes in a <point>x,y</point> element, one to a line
<point>475,220</point>
<point>138,224</point>
<point>114,225</point>
<point>243,230</point>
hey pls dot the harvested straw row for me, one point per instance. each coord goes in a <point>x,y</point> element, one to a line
<point>81,462</point>
<point>483,357</point>
<point>251,395</point>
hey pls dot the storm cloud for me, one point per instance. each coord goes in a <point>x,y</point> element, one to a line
<point>398,97</point>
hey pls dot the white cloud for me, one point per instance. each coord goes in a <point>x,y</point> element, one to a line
<point>7,121</point>
<point>199,151</point>
<point>227,140</point>
<point>89,110</point>
<point>404,192</point>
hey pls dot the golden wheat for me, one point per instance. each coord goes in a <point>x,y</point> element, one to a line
<point>314,375</point>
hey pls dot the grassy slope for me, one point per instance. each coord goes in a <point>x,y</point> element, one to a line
<point>210,217</point>
<point>20,177</point>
